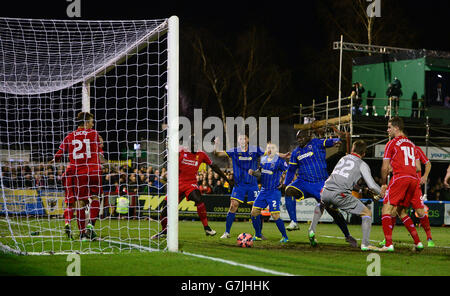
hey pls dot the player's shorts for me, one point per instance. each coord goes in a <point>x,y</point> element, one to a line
<point>185,189</point>
<point>241,190</point>
<point>268,197</point>
<point>401,191</point>
<point>307,189</point>
<point>69,192</point>
<point>87,184</point>
<point>343,201</point>
<point>416,201</point>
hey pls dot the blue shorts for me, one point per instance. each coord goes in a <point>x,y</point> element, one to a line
<point>240,191</point>
<point>271,197</point>
<point>307,189</point>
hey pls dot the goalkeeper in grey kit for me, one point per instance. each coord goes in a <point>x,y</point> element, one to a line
<point>337,192</point>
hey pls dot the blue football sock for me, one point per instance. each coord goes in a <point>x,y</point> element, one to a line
<point>281,228</point>
<point>256,221</point>
<point>291,208</point>
<point>229,221</point>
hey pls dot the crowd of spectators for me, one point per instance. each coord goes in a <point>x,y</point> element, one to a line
<point>116,179</point>
<point>125,180</point>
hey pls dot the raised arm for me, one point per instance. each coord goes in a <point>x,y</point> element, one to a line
<point>216,151</point>
<point>216,169</point>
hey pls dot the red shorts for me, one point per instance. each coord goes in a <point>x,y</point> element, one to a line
<point>184,189</point>
<point>416,201</point>
<point>87,184</point>
<point>67,182</point>
<point>401,190</point>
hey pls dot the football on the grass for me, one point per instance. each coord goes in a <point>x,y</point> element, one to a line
<point>245,240</point>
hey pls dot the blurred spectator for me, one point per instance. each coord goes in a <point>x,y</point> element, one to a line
<point>356,96</point>
<point>394,92</point>
<point>204,188</point>
<point>219,189</point>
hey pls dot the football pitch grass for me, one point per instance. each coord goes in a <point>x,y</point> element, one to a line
<point>200,255</point>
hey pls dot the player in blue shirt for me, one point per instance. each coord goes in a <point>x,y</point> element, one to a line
<point>271,169</point>
<point>244,157</point>
<point>309,161</point>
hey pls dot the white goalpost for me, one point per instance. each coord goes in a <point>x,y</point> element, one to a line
<point>125,73</point>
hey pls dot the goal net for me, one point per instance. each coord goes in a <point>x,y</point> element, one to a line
<point>125,73</point>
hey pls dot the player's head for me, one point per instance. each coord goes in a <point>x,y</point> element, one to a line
<point>395,126</point>
<point>242,140</point>
<point>359,147</point>
<point>85,119</point>
<point>303,137</point>
<point>271,148</point>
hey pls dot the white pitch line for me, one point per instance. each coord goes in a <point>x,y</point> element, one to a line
<point>248,266</point>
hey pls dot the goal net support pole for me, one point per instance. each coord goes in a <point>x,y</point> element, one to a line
<point>172,134</point>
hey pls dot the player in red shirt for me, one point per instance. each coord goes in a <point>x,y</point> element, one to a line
<point>400,154</point>
<point>417,200</point>
<point>189,163</point>
<point>84,147</point>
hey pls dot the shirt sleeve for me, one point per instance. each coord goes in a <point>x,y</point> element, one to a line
<point>423,158</point>
<point>64,147</point>
<point>388,151</point>
<point>327,143</point>
<point>367,176</point>
<point>282,165</point>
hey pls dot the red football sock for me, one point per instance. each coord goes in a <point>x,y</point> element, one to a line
<point>201,211</point>
<point>386,221</point>
<point>425,222</point>
<point>409,224</point>
<point>81,220</point>
<point>394,221</point>
<point>94,210</point>
<point>68,215</point>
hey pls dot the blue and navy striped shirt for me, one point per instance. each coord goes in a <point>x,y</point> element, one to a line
<point>242,162</point>
<point>310,161</point>
<point>271,171</point>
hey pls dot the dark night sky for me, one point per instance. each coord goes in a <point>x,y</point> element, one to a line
<point>294,24</point>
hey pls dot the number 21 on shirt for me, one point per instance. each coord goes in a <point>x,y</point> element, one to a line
<point>78,146</point>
